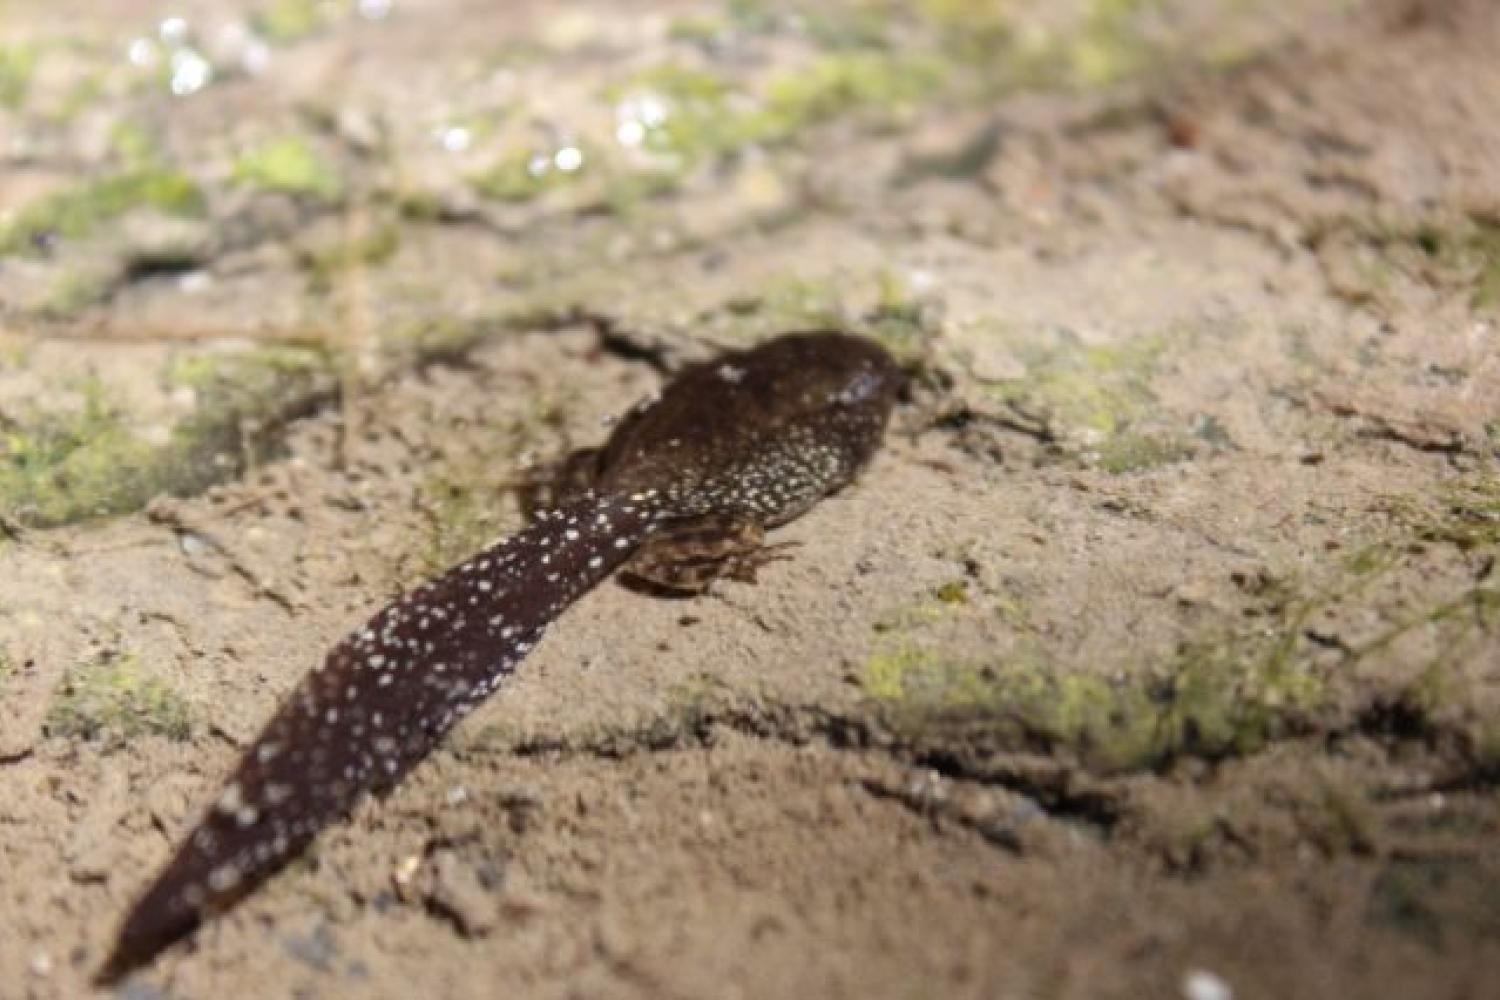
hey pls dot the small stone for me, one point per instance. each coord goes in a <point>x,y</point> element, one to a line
<point>404,874</point>
<point>139,989</point>
<point>1200,984</point>
<point>456,891</point>
<point>316,949</point>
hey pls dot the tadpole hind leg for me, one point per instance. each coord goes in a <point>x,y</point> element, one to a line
<point>686,556</point>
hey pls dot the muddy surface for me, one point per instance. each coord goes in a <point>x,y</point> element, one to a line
<point>1156,655</point>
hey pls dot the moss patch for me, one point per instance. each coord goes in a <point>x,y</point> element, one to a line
<point>1109,46</point>
<point>879,305</point>
<point>1132,452</point>
<point>1466,252</point>
<point>1484,247</point>
<point>287,21</point>
<point>63,467</point>
<point>324,264</point>
<point>465,509</point>
<point>17,64</point>
<point>290,165</point>
<point>685,116</point>
<point>75,289</point>
<point>78,211</point>
<point>1455,252</point>
<point>1102,388</point>
<point>524,174</point>
<point>114,698</point>
<point>972,30</point>
<point>1230,694</point>
<point>1464,512</point>
<point>1213,701</point>
<point>842,82</point>
<point>683,112</point>
<point>787,302</point>
<point>59,467</point>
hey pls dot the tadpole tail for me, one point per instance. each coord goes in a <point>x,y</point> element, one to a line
<point>377,705</point>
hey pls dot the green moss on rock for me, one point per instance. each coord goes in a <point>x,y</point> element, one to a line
<point>288,21</point>
<point>1465,512</point>
<point>466,509</point>
<point>60,467</point>
<point>842,82</point>
<point>324,264</point>
<point>1135,452</point>
<point>115,698</point>
<point>17,64</point>
<point>78,211</point>
<point>1213,701</point>
<point>522,175</point>
<point>1098,388</point>
<point>288,164</point>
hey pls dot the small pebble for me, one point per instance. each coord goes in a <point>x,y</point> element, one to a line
<point>1200,984</point>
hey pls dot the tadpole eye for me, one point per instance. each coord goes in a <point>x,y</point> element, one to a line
<point>860,387</point>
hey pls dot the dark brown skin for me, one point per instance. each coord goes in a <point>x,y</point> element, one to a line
<point>680,495</point>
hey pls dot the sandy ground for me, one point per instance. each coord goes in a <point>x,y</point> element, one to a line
<point>1155,655</point>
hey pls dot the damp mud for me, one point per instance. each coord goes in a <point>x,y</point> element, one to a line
<point>1157,653</point>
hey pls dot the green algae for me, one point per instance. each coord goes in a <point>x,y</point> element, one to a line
<point>696,116</point>
<point>325,264</point>
<point>75,289</point>
<point>880,305</point>
<point>58,467</point>
<point>465,508</point>
<point>61,467</point>
<point>841,82</point>
<point>464,515</point>
<point>1224,693</point>
<point>1465,251</point>
<point>17,65</point>
<point>1135,452</point>
<point>1102,388</point>
<point>1109,47</point>
<point>1018,702</point>
<point>1104,46</point>
<point>258,379</point>
<point>705,116</point>
<point>1464,512</point>
<point>288,164</point>
<point>782,302</point>
<point>1482,247</point>
<point>974,31</point>
<point>286,21</point>
<point>901,320</point>
<point>114,698</point>
<point>523,175</point>
<point>1221,694</point>
<point>76,212</point>
<point>134,145</point>
<point>1452,252</point>
<point>700,28</point>
<point>953,592</point>
<point>1219,699</point>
